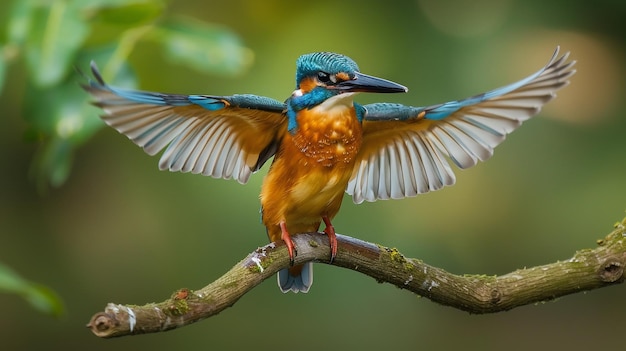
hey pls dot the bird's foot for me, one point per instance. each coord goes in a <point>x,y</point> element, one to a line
<point>332,237</point>
<point>287,239</point>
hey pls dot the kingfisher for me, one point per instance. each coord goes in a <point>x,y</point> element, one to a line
<point>322,142</point>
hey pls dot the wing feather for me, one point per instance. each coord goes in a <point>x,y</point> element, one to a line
<point>408,177</point>
<point>218,136</point>
<point>411,146</point>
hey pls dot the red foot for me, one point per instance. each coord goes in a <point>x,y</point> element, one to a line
<point>332,238</point>
<point>287,239</point>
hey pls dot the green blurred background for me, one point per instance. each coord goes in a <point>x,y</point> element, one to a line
<point>86,213</point>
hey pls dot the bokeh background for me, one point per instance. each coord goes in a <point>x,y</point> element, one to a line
<point>115,229</point>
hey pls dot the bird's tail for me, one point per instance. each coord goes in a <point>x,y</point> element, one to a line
<point>298,278</point>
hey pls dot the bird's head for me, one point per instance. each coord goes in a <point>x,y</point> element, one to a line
<point>322,75</point>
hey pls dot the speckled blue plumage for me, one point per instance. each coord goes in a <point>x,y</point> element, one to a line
<point>329,62</point>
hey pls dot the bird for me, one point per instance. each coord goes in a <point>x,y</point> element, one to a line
<point>322,142</point>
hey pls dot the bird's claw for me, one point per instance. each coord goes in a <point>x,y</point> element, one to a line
<point>291,248</point>
<point>332,238</point>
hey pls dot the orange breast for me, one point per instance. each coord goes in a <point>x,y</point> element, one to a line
<point>311,170</point>
<point>328,139</point>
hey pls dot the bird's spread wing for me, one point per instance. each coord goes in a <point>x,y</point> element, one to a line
<point>219,136</point>
<point>405,148</point>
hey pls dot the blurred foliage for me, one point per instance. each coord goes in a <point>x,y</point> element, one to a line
<point>54,36</point>
<point>40,297</point>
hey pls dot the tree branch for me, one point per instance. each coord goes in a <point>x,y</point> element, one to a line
<point>588,269</point>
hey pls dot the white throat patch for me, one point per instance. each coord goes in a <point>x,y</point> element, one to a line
<point>339,101</point>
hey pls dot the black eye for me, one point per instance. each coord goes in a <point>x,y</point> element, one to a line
<point>323,77</point>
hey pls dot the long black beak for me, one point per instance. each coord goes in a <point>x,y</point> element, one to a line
<point>369,84</point>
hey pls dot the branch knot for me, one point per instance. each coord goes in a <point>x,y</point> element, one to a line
<point>102,322</point>
<point>496,296</point>
<point>611,270</point>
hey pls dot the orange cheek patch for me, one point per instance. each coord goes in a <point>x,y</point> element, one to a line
<point>342,76</point>
<point>307,84</point>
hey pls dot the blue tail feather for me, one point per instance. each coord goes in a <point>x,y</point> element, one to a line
<point>297,283</point>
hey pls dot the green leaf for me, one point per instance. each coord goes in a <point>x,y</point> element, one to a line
<point>57,31</point>
<point>203,46</point>
<point>40,297</point>
<point>62,118</point>
<point>109,20</point>
<point>60,111</point>
<point>20,21</point>
<point>129,13</point>
<point>58,115</point>
<point>10,281</point>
